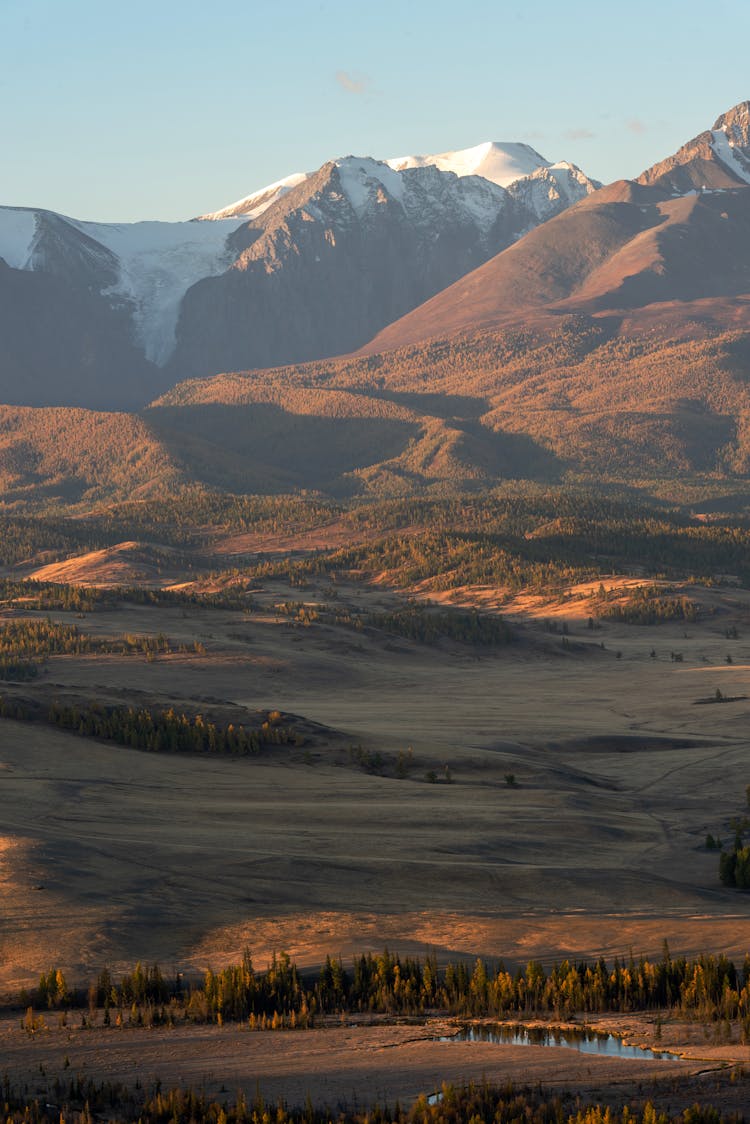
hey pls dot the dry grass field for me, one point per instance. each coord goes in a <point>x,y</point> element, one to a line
<point>113,855</point>
<point>546,798</point>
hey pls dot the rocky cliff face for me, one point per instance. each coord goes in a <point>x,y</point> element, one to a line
<point>345,253</point>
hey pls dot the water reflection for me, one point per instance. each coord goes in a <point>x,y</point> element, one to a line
<point>572,1038</point>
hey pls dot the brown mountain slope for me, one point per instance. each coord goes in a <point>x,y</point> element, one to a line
<point>710,160</point>
<point>126,564</point>
<point>600,256</point>
<point>460,414</point>
<point>336,442</point>
<point>583,398</point>
<point>77,455</point>
<point>679,233</point>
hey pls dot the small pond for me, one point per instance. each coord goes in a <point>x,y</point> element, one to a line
<point>572,1038</point>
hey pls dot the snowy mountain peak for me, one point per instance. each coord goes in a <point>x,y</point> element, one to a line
<point>717,159</point>
<point>730,140</point>
<point>500,162</point>
<point>381,238</point>
<point>254,205</point>
<point>735,123</point>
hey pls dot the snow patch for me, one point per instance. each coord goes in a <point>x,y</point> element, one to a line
<point>254,205</point>
<point>480,199</point>
<point>570,179</point>
<point>358,177</point>
<point>17,229</point>
<point>733,159</point>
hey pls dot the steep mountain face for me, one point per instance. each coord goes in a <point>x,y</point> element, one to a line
<point>108,315</point>
<point>346,252</point>
<point>658,247</point>
<point>88,310</point>
<point>718,159</point>
<point>62,343</point>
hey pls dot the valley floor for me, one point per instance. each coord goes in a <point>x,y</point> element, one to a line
<point>546,798</point>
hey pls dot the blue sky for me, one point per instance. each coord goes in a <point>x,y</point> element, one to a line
<point>160,109</point>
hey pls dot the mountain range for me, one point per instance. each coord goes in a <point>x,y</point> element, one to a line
<point>386,326</point>
<point>107,315</point>
<point>669,246</point>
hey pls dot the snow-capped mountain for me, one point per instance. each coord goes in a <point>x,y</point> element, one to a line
<point>671,248</point>
<point>716,159</point>
<point>312,265</point>
<point>147,266</point>
<point>348,250</point>
<point>502,163</point>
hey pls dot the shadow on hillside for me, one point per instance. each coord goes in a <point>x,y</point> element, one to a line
<point>513,455</point>
<point>262,447</point>
<point>443,406</point>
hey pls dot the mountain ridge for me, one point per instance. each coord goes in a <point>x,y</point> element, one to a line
<point>626,247</point>
<point>501,162</point>
<point>610,340</point>
<point>323,263</point>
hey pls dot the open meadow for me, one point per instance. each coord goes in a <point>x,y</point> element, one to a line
<point>532,800</point>
<point>537,788</point>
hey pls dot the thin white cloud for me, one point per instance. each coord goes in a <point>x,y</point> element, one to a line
<point>636,126</point>
<point>351,83</point>
<point>579,134</point>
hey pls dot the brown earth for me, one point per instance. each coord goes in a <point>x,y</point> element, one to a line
<point>358,1064</point>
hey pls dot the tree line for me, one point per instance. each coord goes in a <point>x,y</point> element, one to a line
<point>167,731</point>
<point>26,644</point>
<point>413,620</point>
<point>157,731</point>
<point>646,605</point>
<point>708,988</point>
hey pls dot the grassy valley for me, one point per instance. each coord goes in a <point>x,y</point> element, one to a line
<point>462,727</point>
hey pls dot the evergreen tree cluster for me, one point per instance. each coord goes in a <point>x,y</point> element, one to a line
<point>734,867</point>
<point>416,622</point>
<point>166,731</point>
<point>708,988</point>
<point>413,620</point>
<point>34,638</point>
<point>647,605</point>
<point>58,597</point>
<point>18,671</point>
